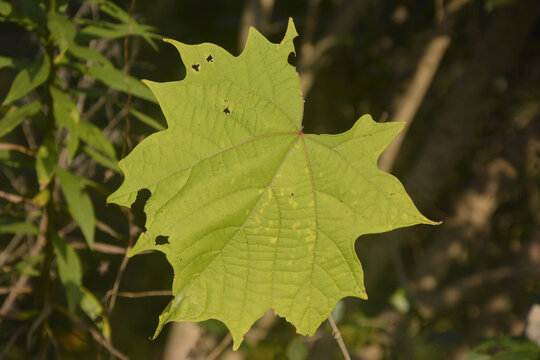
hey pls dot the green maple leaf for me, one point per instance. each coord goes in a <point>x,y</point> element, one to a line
<point>258,214</point>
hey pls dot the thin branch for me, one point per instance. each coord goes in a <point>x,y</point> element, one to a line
<point>214,354</point>
<point>257,14</point>
<point>16,182</point>
<point>16,147</point>
<point>10,300</point>
<point>53,341</point>
<point>39,321</point>
<point>107,229</point>
<point>87,81</point>
<point>134,295</point>
<point>454,6</point>
<point>11,197</point>
<point>440,12</point>
<point>311,21</point>
<point>312,55</point>
<point>428,65</point>
<point>19,290</point>
<point>14,198</point>
<point>110,127</point>
<point>126,73</point>
<point>30,139</point>
<point>98,337</point>
<point>100,247</point>
<point>72,225</point>
<point>94,108</point>
<point>12,296</point>
<point>116,286</point>
<point>20,252</point>
<point>409,104</point>
<point>11,341</point>
<point>337,335</point>
<point>6,252</point>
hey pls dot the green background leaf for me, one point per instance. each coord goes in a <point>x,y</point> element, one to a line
<point>67,116</point>
<point>62,30</point>
<point>46,159</point>
<point>28,79</point>
<point>14,117</point>
<point>18,228</point>
<point>118,80</point>
<point>5,8</point>
<point>5,62</point>
<point>79,203</point>
<point>69,270</point>
<point>297,349</point>
<point>94,310</point>
<point>505,348</point>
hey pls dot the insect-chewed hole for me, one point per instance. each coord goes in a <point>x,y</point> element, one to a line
<point>162,240</point>
<point>291,59</point>
<point>196,67</point>
<point>138,207</point>
<point>210,58</point>
<point>226,111</point>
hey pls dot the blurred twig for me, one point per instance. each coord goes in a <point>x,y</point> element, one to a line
<point>337,335</point>
<point>134,295</point>
<point>116,285</point>
<point>6,252</point>
<point>105,343</point>
<point>107,229</point>
<point>312,54</point>
<point>127,132</point>
<point>16,198</point>
<point>408,105</point>
<point>10,300</point>
<point>30,139</point>
<point>310,23</point>
<point>16,147</point>
<point>101,247</point>
<point>458,127</point>
<point>40,322</point>
<point>216,352</point>
<point>12,341</point>
<point>123,264</point>
<point>257,14</point>
<point>22,290</point>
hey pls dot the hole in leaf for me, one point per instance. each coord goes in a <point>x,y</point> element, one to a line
<point>196,67</point>
<point>291,59</point>
<point>162,240</point>
<point>292,194</point>
<point>210,58</point>
<point>139,217</point>
<point>226,111</point>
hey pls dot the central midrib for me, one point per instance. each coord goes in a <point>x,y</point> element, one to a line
<point>299,135</point>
